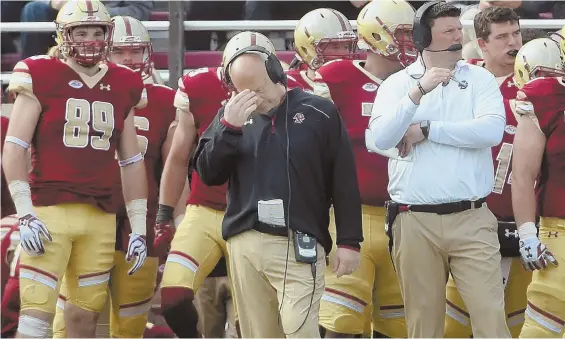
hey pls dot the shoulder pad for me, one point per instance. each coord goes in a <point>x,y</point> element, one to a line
<point>21,81</point>
<point>181,98</point>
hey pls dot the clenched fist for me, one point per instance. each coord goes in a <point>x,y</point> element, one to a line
<point>239,107</point>
<point>433,77</point>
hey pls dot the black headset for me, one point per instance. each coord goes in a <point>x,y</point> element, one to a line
<point>272,64</point>
<point>421,31</point>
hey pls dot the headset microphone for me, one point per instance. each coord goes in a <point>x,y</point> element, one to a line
<point>452,48</point>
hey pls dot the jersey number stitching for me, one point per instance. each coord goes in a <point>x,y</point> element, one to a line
<point>79,113</point>
<point>142,124</point>
<point>503,158</point>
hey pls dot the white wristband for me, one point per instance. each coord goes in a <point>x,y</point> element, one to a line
<point>527,230</point>
<point>21,195</point>
<point>137,215</point>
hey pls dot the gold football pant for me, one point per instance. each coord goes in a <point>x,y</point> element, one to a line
<point>545,314</point>
<point>82,248</point>
<point>130,299</point>
<point>457,321</point>
<point>197,247</point>
<point>371,291</point>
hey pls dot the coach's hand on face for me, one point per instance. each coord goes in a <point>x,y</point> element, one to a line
<point>433,77</point>
<point>239,107</point>
<point>346,261</point>
<point>413,136</point>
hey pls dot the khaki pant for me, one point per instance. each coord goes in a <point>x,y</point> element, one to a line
<point>257,263</point>
<point>427,247</point>
<point>214,304</point>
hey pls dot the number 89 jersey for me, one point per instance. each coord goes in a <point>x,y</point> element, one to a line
<point>78,130</point>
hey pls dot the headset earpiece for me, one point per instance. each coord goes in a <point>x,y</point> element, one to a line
<point>421,32</point>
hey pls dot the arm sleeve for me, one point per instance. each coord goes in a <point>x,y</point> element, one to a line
<point>392,114</point>
<point>345,188</point>
<point>217,151</point>
<point>141,10</point>
<point>485,130</point>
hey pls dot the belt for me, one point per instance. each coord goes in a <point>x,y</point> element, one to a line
<point>270,229</point>
<point>447,208</point>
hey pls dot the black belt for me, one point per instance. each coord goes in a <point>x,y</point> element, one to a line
<point>447,208</point>
<point>270,229</point>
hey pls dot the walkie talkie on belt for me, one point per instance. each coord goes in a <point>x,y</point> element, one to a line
<point>305,248</point>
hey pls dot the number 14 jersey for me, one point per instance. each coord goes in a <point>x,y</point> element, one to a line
<point>79,128</point>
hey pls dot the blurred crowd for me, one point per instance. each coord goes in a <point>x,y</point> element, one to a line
<point>29,44</point>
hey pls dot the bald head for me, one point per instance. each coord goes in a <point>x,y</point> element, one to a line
<point>248,70</point>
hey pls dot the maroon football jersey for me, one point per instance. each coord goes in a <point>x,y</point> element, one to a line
<point>203,92</point>
<point>152,123</point>
<point>500,201</point>
<point>547,96</point>
<point>298,78</point>
<point>353,91</point>
<point>77,134</point>
<point>7,204</point>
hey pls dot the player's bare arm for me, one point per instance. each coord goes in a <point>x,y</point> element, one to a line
<point>174,180</point>
<point>134,185</point>
<point>165,151</point>
<point>529,145</point>
<point>175,172</point>
<point>24,118</point>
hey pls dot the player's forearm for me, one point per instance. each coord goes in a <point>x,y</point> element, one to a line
<point>14,163</point>
<point>523,199</point>
<point>180,208</point>
<point>175,174</point>
<point>134,181</point>
<point>482,132</point>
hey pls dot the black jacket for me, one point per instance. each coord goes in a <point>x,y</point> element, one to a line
<point>254,160</point>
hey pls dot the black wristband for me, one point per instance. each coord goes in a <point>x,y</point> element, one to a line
<point>165,213</point>
<point>421,88</point>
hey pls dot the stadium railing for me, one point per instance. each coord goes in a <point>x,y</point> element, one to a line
<point>212,58</point>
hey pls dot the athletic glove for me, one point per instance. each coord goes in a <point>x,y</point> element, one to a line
<point>137,247</point>
<point>534,254</point>
<point>31,231</point>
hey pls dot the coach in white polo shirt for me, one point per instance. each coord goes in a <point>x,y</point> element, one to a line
<point>443,115</point>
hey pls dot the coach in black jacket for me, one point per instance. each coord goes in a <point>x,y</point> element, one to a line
<point>270,193</point>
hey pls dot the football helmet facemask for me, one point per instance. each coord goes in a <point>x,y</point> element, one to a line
<point>83,13</point>
<point>129,33</point>
<point>317,35</point>
<point>385,28</point>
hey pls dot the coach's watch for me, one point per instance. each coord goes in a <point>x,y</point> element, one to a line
<point>425,127</point>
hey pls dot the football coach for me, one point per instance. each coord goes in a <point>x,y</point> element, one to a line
<point>287,157</point>
<point>443,115</point>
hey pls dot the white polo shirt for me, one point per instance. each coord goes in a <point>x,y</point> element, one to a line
<point>455,163</point>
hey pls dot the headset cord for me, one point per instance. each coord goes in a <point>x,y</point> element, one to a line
<point>313,268</point>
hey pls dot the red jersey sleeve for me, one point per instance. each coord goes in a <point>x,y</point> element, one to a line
<point>546,98</point>
<point>7,204</point>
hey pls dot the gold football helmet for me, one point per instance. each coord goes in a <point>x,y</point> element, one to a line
<point>385,27</point>
<point>129,33</point>
<point>316,34</point>
<point>538,58</point>
<point>83,13</point>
